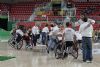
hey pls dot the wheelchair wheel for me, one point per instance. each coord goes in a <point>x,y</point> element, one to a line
<point>75,53</point>
<point>61,52</point>
<point>10,42</point>
<point>19,45</point>
<point>11,39</point>
<point>58,53</point>
<point>64,53</point>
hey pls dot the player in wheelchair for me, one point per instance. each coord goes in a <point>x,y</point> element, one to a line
<point>28,38</point>
<point>68,45</point>
<point>16,41</point>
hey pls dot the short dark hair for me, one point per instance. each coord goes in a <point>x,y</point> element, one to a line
<point>85,19</point>
<point>21,27</point>
<point>52,25</point>
<point>67,24</point>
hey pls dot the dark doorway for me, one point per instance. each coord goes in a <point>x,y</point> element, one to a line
<point>3,23</point>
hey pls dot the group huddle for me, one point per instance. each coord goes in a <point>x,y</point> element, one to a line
<point>62,40</point>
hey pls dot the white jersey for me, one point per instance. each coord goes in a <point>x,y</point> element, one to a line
<point>69,34</point>
<point>45,29</point>
<point>55,30</point>
<point>60,33</point>
<point>35,30</point>
<point>19,32</point>
<point>86,32</point>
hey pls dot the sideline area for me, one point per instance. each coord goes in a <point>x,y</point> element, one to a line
<point>4,35</point>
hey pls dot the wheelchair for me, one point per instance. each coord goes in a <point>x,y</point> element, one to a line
<point>16,41</point>
<point>62,51</point>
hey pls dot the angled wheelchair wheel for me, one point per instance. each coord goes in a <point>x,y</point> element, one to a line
<point>58,53</point>
<point>10,42</point>
<point>64,54</point>
<point>19,45</point>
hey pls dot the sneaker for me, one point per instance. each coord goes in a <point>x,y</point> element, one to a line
<point>89,61</point>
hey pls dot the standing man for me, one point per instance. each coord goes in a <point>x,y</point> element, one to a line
<point>45,32</point>
<point>35,33</point>
<point>86,30</point>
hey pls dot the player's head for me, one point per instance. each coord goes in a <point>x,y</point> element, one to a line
<point>84,17</point>
<point>21,27</point>
<point>52,25</point>
<point>67,24</point>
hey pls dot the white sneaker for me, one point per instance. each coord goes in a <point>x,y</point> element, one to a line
<point>89,61</point>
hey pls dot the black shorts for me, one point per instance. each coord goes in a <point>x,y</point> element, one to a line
<point>79,41</point>
<point>69,43</point>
